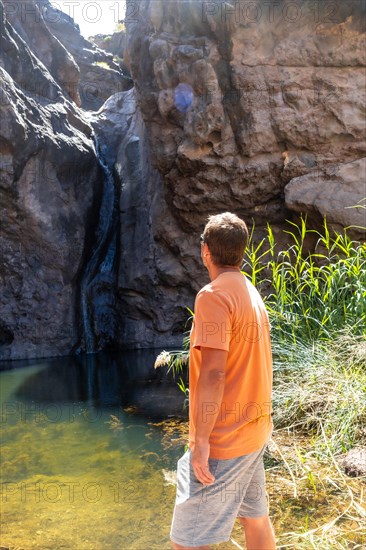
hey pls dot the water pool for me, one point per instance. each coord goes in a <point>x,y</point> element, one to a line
<point>79,470</point>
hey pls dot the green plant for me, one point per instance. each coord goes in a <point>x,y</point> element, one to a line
<point>311,294</point>
<point>177,360</point>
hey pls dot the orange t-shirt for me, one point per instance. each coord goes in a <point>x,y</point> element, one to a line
<point>230,315</point>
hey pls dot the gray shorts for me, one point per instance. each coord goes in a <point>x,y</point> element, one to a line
<point>206,514</point>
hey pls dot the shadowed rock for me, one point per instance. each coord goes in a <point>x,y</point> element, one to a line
<point>100,75</point>
<point>50,182</point>
<point>159,269</point>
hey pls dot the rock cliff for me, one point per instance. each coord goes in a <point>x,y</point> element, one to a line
<point>51,186</point>
<point>159,269</point>
<point>253,107</point>
<point>100,75</point>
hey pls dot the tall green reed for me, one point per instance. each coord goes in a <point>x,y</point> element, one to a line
<point>310,294</point>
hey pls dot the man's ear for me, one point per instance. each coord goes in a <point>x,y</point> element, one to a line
<point>206,251</point>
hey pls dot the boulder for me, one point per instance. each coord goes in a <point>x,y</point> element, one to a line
<point>337,192</point>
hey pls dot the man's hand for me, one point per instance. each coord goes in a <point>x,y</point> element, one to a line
<point>200,454</point>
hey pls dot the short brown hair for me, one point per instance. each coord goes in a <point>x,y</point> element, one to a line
<point>226,236</point>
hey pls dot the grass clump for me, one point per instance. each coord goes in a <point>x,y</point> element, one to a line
<point>318,387</point>
<point>310,295</point>
<point>316,303</point>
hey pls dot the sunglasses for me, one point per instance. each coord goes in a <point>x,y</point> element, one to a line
<point>202,240</point>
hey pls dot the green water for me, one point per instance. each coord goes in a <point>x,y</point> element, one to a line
<point>70,478</point>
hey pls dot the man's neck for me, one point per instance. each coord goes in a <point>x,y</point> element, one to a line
<point>214,271</point>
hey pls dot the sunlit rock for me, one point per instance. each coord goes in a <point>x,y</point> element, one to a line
<point>266,80</point>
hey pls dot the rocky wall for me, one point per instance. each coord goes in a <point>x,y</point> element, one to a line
<point>156,282</point>
<point>254,107</point>
<point>50,187</point>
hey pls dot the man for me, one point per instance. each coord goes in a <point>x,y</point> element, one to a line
<point>221,476</point>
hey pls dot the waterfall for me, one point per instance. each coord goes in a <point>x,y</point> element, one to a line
<point>99,270</point>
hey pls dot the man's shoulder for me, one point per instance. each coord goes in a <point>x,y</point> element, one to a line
<point>225,288</point>
<point>243,295</point>
<point>214,297</point>
<point>211,291</point>
<point>207,289</point>
<point>205,297</point>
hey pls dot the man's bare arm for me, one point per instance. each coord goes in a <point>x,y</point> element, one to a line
<point>210,391</point>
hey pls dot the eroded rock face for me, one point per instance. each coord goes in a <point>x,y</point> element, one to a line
<point>28,18</point>
<point>241,99</point>
<point>50,182</point>
<point>86,73</point>
<point>100,75</point>
<point>232,111</point>
<point>159,269</point>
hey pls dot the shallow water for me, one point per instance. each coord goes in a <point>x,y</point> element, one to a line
<point>73,479</point>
